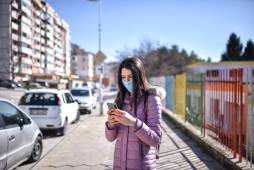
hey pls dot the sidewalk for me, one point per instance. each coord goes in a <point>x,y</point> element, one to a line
<point>212,147</point>
<point>87,149</point>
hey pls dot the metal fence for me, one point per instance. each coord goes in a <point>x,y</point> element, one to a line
<point>220,102</point>
<point>228,109</point>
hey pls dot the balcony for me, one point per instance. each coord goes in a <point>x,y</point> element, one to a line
<point>26,71</point>
<point>15,5</point>
<point>38,2</point>
<point>27,2</point>
<point>15,48</point>
<point>26,20</point>
<point>49,51</point>
<point>26,40</point>
<point>15,37</point>
<point>50,44</point>
<point>26,29</point>
<point>27,11</point>
<point>42,32</point>
<point>26,51</point>
<point>27,61</point>
<point>14,26</point>
<point>14,15</point>
<point>42,48</point>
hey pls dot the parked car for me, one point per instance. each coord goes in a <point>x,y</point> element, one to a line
<point>85,98</point>
<point>31,85</point>
<point>113,87</point>
<point>51,109</point>
<point>20,137</point>
<point>7,84</point>
<point>17,84</point>
<point>43,83</point>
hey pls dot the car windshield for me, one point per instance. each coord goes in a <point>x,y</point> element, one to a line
<point>80,92</point>
<point>39,99</point>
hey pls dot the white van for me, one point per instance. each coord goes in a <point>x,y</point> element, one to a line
<point>50,108</point>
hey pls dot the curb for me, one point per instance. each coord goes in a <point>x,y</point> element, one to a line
<point>208,145</point>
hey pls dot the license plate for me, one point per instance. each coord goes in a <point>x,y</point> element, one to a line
<point>38,112</point>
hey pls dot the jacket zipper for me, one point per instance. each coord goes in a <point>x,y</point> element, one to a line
<point>127,147</point>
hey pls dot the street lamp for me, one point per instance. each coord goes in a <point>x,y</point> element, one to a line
<point>99,58</point>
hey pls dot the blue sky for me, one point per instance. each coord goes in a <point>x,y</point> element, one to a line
<point>199,25</point>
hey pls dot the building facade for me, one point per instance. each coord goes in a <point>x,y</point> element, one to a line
<point>82,64</point>
<point>34,41</point>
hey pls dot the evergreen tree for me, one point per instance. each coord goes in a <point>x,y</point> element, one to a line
<point>233,49</point>
<point>209,60</point>
<point>248,53</point>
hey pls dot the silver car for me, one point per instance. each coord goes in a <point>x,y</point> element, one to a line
<point>20,137</point>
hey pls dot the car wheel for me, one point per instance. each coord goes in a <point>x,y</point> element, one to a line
<point>37,150</point>
<point>63,129</point>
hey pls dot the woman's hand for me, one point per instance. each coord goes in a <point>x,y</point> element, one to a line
<point>123,117</point>
<point>111,120</point>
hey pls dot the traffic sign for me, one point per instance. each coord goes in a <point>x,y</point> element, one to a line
<point>100,57</point>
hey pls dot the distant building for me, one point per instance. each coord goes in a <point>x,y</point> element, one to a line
<point>82,63</point>
<point>111,71</point>
<point>34,41</point>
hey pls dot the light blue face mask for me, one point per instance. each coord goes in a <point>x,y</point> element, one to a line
<point>128,85</point>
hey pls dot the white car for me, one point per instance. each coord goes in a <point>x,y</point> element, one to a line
<point>50,108</point>
<point>85,98</point>
<point>20,137</point>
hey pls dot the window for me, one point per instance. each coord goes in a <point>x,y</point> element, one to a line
<point>80,92</point>
<point>39,99</point>
<point>26,120</point>
<point>10,115</point>
<point>68,98</point>
<point>1,122</point>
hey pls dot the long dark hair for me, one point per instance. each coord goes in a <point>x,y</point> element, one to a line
<point>140,83</point>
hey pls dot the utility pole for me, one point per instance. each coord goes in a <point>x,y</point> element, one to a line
<point>100,57</point>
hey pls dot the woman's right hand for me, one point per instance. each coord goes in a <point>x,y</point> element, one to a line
<point>111,119</point>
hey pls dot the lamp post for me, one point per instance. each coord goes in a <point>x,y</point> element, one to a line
<point>99,58</point>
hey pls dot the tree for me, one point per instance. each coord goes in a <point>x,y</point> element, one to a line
<point>160,60</point>
<point>194,57</point>
<point>233,49</point>
<point>248,53</point>
<point>209,60</point>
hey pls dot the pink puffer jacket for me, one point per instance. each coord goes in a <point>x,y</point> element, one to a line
<point>135,146</point>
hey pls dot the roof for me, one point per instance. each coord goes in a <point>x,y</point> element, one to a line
<point>46,91</point>
<point>223,63</point>
<point>81,88</point>
<point>4,99</point>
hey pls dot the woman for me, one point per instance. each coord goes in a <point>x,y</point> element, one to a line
<point>135,125</point>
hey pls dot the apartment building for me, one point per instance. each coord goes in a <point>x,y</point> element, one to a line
<point>34,41</point>
<point>82,64</point>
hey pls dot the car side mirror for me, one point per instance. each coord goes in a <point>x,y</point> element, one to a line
<point>76,100</point>
<point>21,123</point>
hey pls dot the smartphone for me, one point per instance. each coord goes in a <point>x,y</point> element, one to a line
<point>112,105</point>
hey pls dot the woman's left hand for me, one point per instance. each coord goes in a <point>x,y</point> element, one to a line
<point>124,117</point>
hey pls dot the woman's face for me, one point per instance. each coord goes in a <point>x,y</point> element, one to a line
<point>126,74</point>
